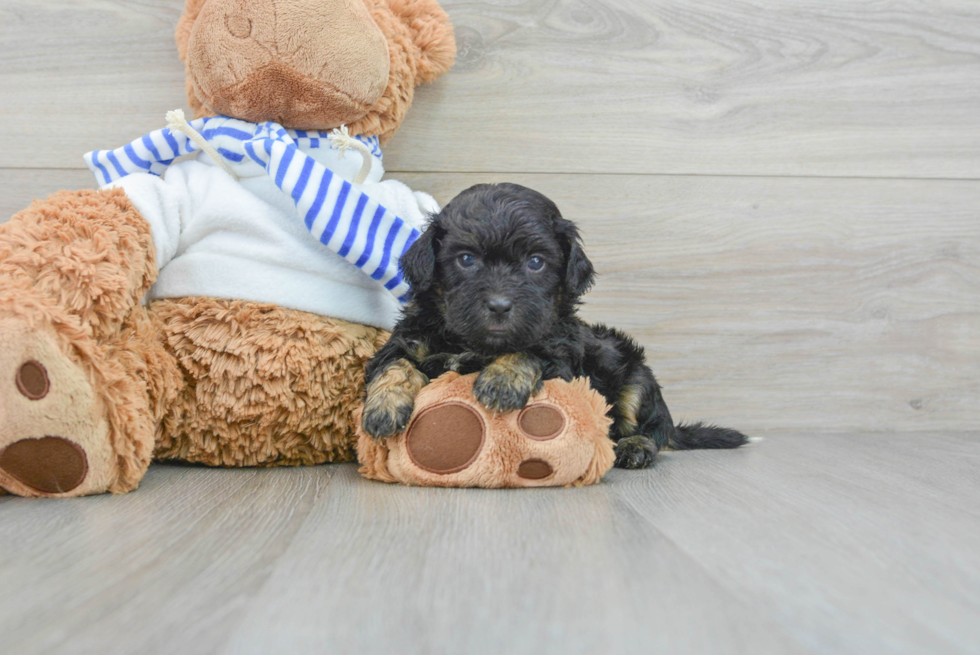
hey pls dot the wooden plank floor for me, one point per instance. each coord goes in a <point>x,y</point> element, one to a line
<point>783,202</point>
<point>803,543</point>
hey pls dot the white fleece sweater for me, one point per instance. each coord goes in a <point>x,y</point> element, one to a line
<point>245,239</point>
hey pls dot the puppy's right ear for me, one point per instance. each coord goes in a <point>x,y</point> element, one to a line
<point>419,263</point>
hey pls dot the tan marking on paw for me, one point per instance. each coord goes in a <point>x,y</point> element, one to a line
<point>507,383</point>
<point>390,398</point>
<point>627,406</point>
<point>420,350</point>
<point>400,378</point>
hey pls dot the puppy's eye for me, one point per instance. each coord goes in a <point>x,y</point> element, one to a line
<point>466,260</point>
<point>535,263</point>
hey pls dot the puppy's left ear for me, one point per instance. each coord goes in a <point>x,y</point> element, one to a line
<point>419,263</point>
<point>579,273</point>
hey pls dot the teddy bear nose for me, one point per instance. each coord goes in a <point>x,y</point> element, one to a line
<point>499,305</point>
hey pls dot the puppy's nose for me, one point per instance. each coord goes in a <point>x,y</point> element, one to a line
<point>499,305</point>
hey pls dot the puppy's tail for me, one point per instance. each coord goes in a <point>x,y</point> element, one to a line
<point>698,435</point>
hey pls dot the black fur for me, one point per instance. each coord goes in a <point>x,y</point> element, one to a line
<point>499,272</point>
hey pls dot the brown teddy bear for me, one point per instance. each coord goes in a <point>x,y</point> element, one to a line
<point>161,318</point>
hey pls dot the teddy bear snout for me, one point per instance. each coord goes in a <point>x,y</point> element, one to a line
<point>288,61</point>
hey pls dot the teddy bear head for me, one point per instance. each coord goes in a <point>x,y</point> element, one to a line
<point>313,64</point>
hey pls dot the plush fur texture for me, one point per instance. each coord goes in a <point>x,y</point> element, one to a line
<point>579,454</point>
<point>313,63</point>
<point>262,385</point>
<point>421,47</point>
<point>219,382</point>
<point>88,253</point>
<point>496,280</point>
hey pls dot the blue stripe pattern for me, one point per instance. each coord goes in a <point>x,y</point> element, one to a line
<point>334,211</point>
<point>355,221</point>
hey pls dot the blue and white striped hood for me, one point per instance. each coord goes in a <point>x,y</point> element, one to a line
<point>340,214</point>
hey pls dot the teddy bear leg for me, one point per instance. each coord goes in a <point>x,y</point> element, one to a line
<point>75,418</point>
<point>268,386</point>
<point>453,440</point>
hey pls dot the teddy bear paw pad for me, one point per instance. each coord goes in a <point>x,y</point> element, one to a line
<point>541,422</point>
<point>48,465</point>
<point>534,469</point>
<point>32,380</point>
<point>445,438</point>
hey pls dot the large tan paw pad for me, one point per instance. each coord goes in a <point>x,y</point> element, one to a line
<point>560,438</point>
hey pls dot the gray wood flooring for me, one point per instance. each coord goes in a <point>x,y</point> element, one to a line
<point>803,543</point>
<point>783,202</point>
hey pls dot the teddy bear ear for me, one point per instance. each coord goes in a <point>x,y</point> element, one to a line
<point>183,34</point>
<point>432,34</point>
<point>192,8</point>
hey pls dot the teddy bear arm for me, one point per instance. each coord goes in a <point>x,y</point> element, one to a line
<point>89,253</point>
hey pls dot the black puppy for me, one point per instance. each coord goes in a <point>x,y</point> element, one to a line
<point>496,278</point>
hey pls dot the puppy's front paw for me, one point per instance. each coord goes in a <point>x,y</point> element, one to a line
<point>386,414</point>
<point>508,383</point>
<point>390,399</point>
<point>636,452</point>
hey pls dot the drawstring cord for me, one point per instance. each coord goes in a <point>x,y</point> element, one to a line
<point>176,121</point>
<point>341,139</point>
